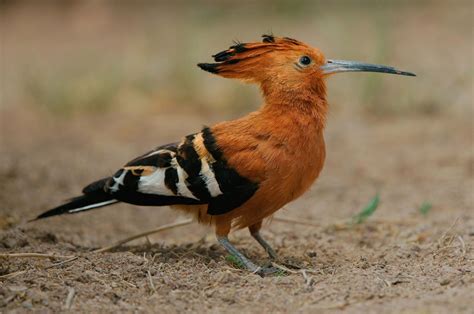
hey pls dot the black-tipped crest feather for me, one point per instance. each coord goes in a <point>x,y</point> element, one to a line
<point>268,38</point>
<point>209,67</point>
<point>232,55</point>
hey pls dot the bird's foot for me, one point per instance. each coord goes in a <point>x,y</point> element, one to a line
<point>271,252</point>
<point>242,261</point>
<point>268,271</point>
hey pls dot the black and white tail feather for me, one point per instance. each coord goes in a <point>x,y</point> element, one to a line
<point>190,173</point>
<point>94,197</point>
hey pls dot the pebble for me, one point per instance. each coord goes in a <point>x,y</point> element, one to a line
<point>312,254</point>
<point>445,282</point>
<point>27,304</point>
<point>17,288</point>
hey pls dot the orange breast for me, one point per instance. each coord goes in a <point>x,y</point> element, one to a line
<point>283,152</point>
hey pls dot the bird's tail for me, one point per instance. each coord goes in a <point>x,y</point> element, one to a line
<point>94,197</point>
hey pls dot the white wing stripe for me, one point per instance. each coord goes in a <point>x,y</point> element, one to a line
<point>155,183</point>
<point>183,189</point>
<point>92,206</point>
<point>208,176</point>
<point>160,151</point>
<point>118,181</point>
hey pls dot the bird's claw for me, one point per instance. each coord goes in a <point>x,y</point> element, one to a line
<point>266,271</point>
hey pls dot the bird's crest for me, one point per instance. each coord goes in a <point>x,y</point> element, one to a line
<point>246,60</point>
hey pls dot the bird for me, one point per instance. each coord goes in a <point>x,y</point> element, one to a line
<point>235,174</point>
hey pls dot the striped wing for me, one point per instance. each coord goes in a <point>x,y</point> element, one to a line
<point>192,172</point>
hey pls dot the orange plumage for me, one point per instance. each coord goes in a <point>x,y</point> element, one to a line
<point>237,173</point>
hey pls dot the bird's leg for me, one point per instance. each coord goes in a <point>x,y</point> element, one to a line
<point>257,236</point>
<point>255,232</point>
<point>222,230</point>
<point>224,241</point>
<point>262,271</point>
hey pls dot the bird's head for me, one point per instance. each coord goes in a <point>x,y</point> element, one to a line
<point>283,65</point>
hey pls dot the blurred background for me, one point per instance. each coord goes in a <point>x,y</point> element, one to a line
<point>88,85</point>
<point>68,57</point>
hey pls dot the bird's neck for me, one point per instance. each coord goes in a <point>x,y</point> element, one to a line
<point>309,106</point>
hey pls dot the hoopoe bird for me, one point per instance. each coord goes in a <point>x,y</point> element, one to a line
<point>236,173</point>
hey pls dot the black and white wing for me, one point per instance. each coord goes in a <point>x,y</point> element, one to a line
<point>154,179</point>
<point>192,172</point>
<point>189,173</point>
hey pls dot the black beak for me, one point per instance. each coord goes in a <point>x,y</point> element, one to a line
<point>334,66</point>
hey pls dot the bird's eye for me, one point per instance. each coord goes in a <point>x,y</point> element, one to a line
<point>305,60</point>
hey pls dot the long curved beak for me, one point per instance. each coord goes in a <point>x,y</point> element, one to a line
<point>334,66</point>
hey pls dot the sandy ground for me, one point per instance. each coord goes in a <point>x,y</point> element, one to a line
<point>398,261</point>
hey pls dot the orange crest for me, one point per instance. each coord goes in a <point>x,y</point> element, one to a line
<point>261,61</point>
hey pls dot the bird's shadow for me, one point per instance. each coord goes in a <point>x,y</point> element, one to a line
<point>165,253</point>
<point>200,252</point>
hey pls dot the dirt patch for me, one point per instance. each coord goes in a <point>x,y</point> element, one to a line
<point>399,260</point>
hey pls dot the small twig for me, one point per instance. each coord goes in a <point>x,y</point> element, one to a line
<point>339,226</point>
<point>33,255</point>
<point>450,246</point>
<point>342,225</point>
<point>285,268</point>
<point>385,281</point>
<point>322,297</point>
<point>144,234</point>
<point>14,274</point>
<point>150,280</point>
<point>463,245</point>
<point>339,306</point>
<point>69,298</point>
<point>444,248</point>
<point>148,242</point>
<point>445,233</point>
<point>129,283</point>
<point>308,281</point>
<point>63,262</point>
<point>296,221</point>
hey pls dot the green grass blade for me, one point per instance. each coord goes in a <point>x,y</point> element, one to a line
<point>425,208</point>
<point>367,211</point>
<point>234,261</point>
